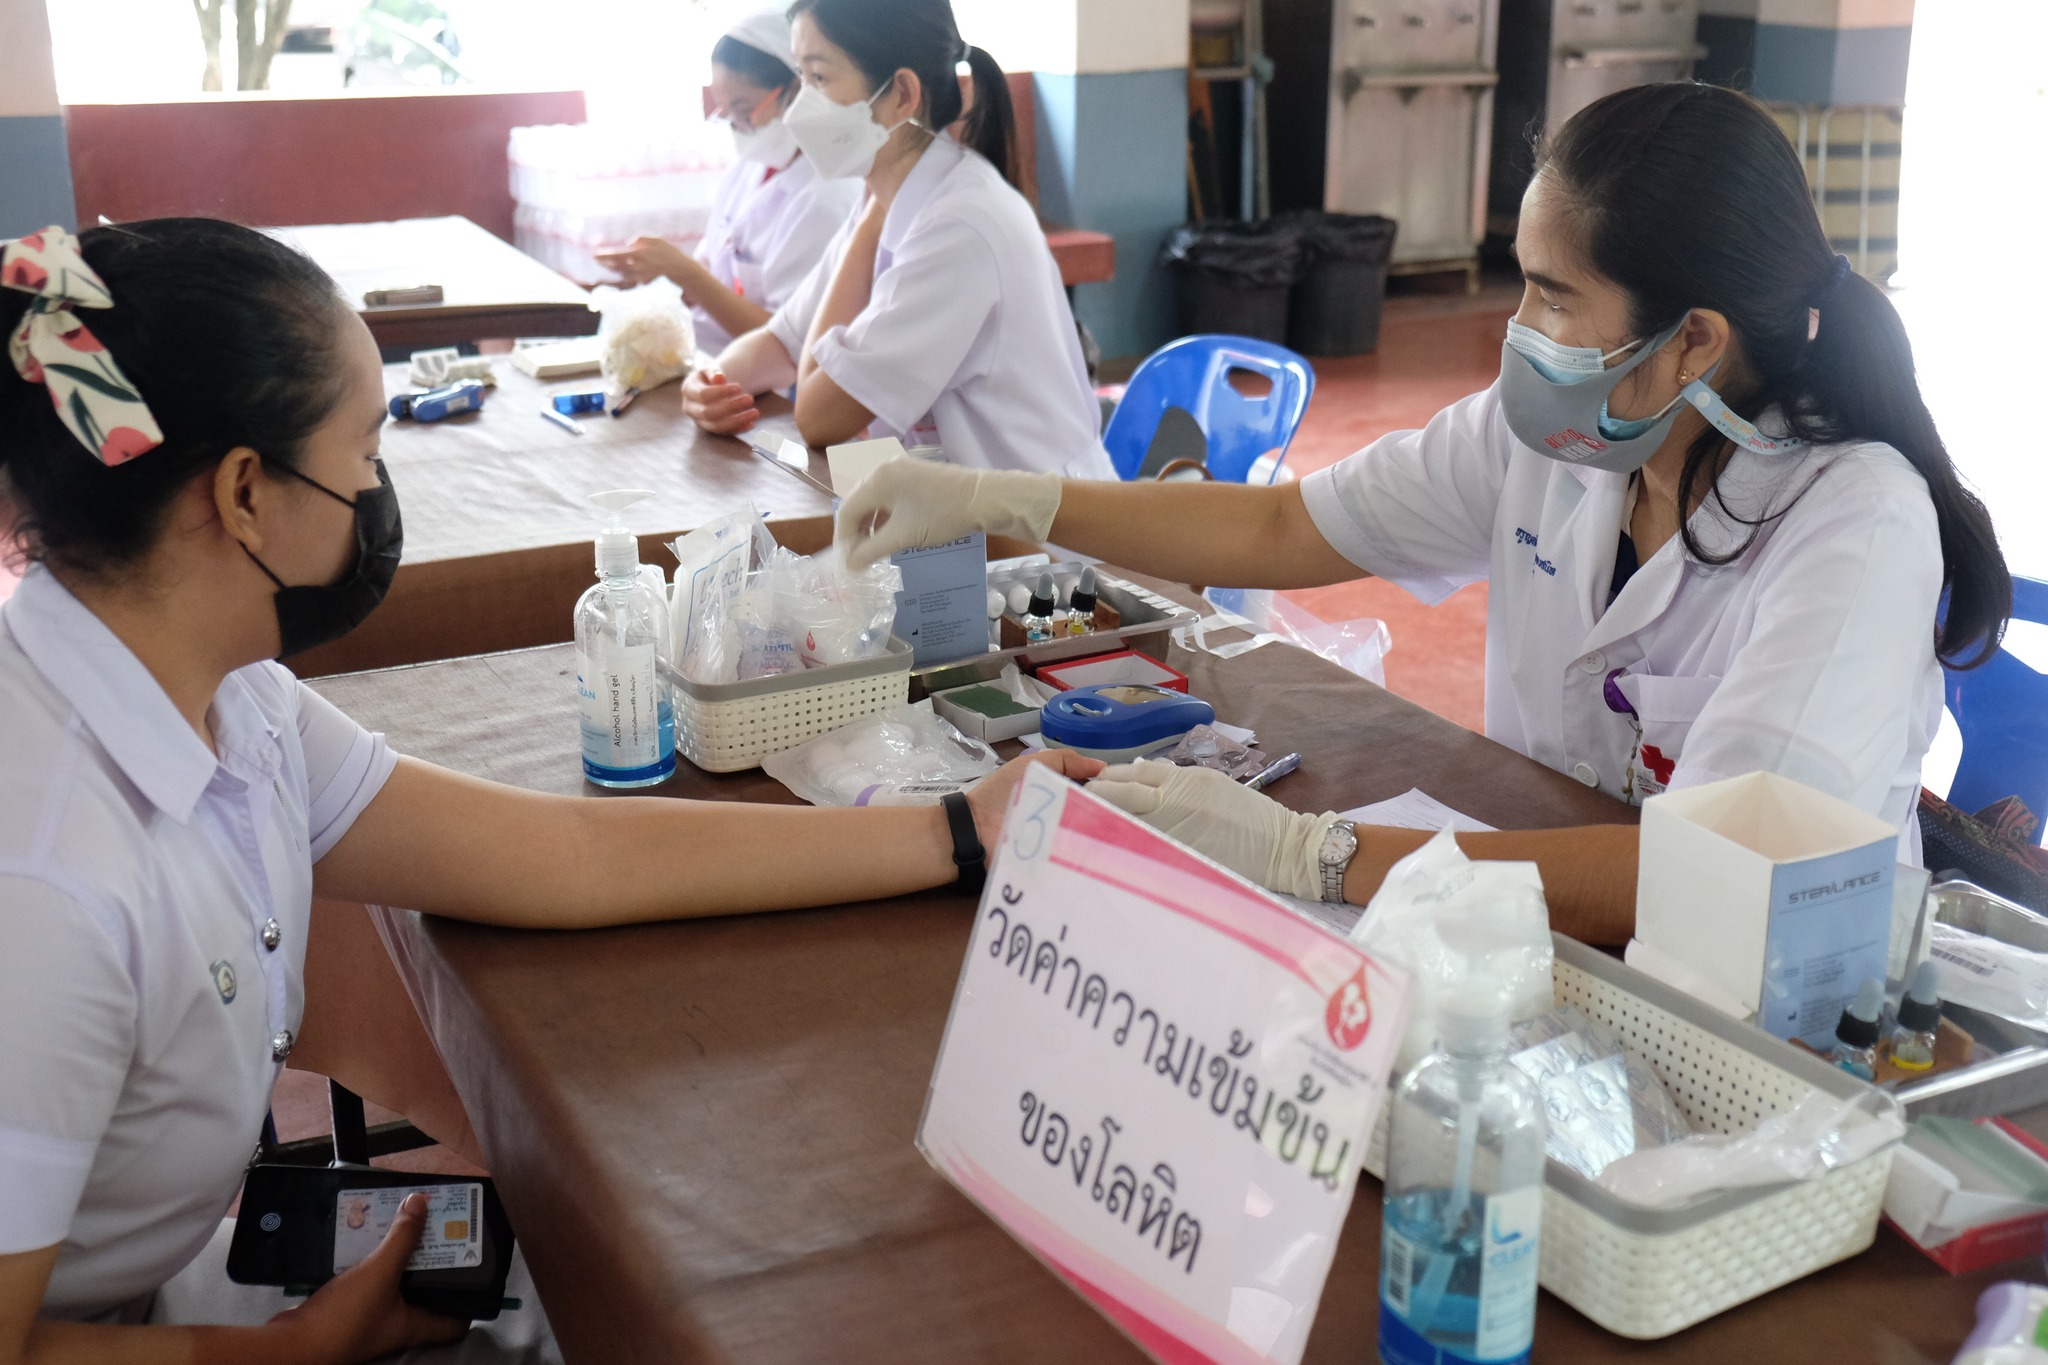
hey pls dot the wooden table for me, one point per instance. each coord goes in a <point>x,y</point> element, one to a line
<point>498,522</point>
<point>703,1130</point>
<point>490,287</point>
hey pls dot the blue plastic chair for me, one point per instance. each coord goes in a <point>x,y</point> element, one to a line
<point>2002,711</point>
<point>1194,374</point>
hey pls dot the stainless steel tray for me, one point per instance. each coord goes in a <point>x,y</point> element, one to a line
<point>2015,1077</point>
<point>1147,623</point>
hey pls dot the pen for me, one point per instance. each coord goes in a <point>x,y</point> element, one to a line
<point>1273,772</point>
<point>568,424</point>
<point>625,401</point>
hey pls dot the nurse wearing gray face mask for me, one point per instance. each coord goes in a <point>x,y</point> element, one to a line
<point>1713,513</point>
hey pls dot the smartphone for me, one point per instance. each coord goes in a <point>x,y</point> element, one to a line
<point>300,1226</point>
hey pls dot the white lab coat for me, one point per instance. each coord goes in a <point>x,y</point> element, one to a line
<point>768,227</point>
<point>967,341</point>
<point>1810,655</point>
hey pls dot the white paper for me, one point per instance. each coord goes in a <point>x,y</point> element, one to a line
<point>1416,809</point>
<point>855,460</point>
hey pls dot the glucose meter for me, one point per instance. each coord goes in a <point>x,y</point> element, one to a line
<point>1116,722</point>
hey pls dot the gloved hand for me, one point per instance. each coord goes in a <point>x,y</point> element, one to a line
<point>1248,832</point>
<point>920,503</point>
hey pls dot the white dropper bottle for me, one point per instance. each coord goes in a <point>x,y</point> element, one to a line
<point>629,732</point>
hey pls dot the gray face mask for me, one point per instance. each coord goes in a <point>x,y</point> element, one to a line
<point>1556,404</point>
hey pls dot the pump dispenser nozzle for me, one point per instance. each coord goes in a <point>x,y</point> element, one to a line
<point>618,550</point>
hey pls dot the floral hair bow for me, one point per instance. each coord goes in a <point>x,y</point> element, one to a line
<point>53,348</point>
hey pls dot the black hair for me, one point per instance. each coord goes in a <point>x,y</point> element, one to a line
<point>1690,196</point>
<point>752,65</point>
<point>232,340</point>
<point>886,36</point>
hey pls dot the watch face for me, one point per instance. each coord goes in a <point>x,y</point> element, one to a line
<point>1339,845</point>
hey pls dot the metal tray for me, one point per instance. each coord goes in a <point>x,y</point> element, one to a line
<point>1148,623</point>
<point>2017,1076</point>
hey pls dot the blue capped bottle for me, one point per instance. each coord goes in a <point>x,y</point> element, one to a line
<point>629,726</point>
<point>1464,1196</point>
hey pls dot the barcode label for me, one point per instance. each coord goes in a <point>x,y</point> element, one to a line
<point>1400,1276</point>
<point>1963,960</point>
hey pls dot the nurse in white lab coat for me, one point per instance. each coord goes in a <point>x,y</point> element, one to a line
<point>937,315</point>
<point>774,215</point>
<point>1676,595</point>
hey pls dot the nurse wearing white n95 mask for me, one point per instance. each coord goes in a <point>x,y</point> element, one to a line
<point>937,315</point>
<point>1713,513</point>
<point>774,214</point>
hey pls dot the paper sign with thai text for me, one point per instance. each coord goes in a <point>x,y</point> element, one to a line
<point>1159,1080</point>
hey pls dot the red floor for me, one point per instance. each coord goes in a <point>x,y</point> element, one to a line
<point>1432,352</point>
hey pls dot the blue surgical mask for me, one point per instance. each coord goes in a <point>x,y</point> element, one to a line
<point>1557,362</point>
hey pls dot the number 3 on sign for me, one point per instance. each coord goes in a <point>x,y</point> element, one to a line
<point>1040,798</point>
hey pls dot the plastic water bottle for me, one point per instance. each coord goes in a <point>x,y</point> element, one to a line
<point>629,724</point>
<point>1464,1196</point>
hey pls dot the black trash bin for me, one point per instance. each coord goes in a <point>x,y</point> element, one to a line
<point>1235,277</point>
<point>1335,306</point>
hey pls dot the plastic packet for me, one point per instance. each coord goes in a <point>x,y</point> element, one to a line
<point>905,755</point>
<point>1991,975</point>
<point>1440,916</point>
<point>762,618</point>
<point>838,616</point>
<point>1603,1101</point>
<point>646,337</point>
<point>1206,747</point>
<point>1819,1134</point>
<point>1359,646</point>
<point>712,564</point>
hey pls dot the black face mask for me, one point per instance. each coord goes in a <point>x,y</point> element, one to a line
<point>314,615</point>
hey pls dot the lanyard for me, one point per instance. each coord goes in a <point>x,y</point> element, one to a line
<point>1619,704</point>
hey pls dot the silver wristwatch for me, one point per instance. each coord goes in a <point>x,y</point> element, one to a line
<point>1340,845</point>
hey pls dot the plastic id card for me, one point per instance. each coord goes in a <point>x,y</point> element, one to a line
<point>452,1239</point>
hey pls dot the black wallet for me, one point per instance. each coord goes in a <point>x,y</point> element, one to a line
<point>296,1221</point>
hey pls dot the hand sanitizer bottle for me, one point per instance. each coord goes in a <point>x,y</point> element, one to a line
<point>1464,1195</point>
<point>629,727</point>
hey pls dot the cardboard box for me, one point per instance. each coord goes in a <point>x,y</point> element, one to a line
<point>1960,1215</point>
<point>1778,895</point>
<point>986,712</point>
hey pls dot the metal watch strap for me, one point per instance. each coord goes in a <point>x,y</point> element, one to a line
<point>1340,839</point>
<point>968,854</point>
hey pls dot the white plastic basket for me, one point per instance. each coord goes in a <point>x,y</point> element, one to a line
<point>1646,1273</point>
<point>724,727</point>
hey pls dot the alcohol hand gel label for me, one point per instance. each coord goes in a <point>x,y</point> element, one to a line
<point>621,710</point>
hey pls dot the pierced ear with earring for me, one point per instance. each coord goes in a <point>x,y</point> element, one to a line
<point>1684,377</point>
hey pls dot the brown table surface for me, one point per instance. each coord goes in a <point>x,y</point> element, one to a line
<point>490,288</point>
<point>499,523</point>
<point>703,1130</point>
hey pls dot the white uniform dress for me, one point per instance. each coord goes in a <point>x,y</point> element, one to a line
<point>769,226</point>
<point>153,911</point>
<point>1810,655</point>
<point>967,341</point>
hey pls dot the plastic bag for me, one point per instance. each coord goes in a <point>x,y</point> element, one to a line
<point>904,756</point>
<point>1815,1136</point>
<point>1990,975</point>
<point>1360,645</point>
<point>1442,917</point>
<point>646,337</point>
<point>1602,1101</point>
<point>712,565</point>
<point>796,613</point>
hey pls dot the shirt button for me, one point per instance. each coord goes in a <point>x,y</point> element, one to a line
<point>1594,662</point>
<point>281,1045</point>
<point>272,935</point>
<point>1584,772</point>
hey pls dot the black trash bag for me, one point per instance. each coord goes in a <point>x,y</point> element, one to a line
<point>1336,302</point>
<point>1234,277</point>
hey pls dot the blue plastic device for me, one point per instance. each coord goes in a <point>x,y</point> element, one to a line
<point>1119,721</point>
<point>571,404</point>
<point>448,401</point>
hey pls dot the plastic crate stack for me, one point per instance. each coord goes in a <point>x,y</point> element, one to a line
<point>580,188</point>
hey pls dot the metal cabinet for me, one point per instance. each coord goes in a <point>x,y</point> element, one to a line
<point>1411,123</point>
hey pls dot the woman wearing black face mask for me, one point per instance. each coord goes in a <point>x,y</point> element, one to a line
<point>189,420</point>
<point>1713,512</point>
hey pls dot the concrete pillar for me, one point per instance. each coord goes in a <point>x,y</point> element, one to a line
<point>1110,81</point>
<point>1818,53</point>
<point>35,168</point>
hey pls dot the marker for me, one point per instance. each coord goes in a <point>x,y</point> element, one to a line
<point>1273,772</point>
<point>568,424</point>
<point>625,401</point>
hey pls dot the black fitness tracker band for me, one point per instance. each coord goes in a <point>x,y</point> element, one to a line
<point>968,854</point>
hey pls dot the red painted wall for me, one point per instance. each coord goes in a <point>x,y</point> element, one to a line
<point>271,161</point>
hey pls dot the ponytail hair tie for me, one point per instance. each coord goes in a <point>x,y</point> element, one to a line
<point>1821,295</point>
<point>53,348</point>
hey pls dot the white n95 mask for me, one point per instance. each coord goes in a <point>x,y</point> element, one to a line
<point>773,145</point>
<point>840,139</point>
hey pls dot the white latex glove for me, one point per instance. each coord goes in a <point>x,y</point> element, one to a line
<point>921,503</point>
<point>1248,832</point>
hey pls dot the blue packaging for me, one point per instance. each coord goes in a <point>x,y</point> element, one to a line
<point>451,400</point>
<point>570,404</point>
